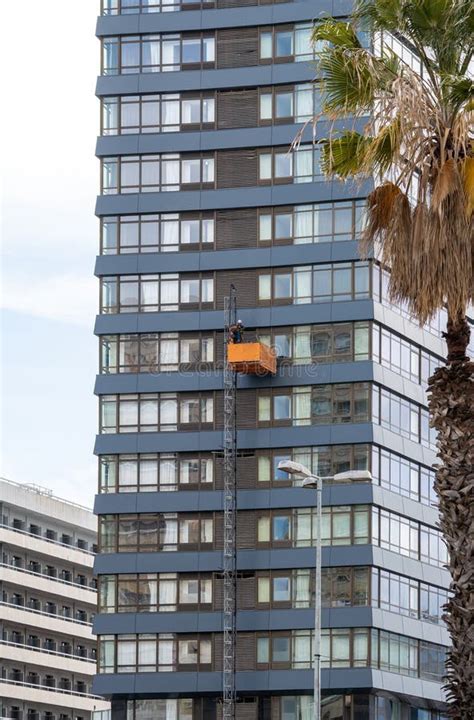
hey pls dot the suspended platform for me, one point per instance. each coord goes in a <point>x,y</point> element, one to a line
<point>251,358</point>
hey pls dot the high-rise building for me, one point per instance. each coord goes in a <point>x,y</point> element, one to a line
<point>48,600</point>
<point>199,103</point>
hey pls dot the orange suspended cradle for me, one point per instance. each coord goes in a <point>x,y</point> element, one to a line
<point>251,358</point>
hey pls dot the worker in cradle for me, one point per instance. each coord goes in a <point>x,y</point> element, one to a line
<point>236,332</point>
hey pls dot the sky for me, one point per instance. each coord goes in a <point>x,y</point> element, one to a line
<point>49,240</point>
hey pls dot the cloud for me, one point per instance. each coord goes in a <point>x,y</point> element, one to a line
<point>66,298</point>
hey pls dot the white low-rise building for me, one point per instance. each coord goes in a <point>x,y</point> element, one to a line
<point>47,604</point>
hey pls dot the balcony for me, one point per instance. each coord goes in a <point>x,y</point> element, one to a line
<point>32,693</point>
<point>22,616</point>
<point>46,584</point>
<point>29,655</point>
<point>44,546</point>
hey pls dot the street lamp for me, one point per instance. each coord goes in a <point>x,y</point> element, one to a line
<point>316,482</point>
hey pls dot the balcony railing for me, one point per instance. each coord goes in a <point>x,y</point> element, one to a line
<point>45,539</point>
<point>46,614</point>
<point>48,577</point>
<point>26,646</point>
<point>37,686</point>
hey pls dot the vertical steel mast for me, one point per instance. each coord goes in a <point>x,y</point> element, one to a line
<point>230,511</point>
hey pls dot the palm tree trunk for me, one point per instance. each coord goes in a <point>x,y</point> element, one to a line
<point>451,404</point>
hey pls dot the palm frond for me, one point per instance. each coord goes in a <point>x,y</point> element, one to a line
<point>380,204</point>
<point>379,15</point>
<point>447,181</point>
<point>345,155</point>
<point>384,147</point>
<point>338,33</point>
<point>352,79</point>
<point>459,90</point>
<point>419,130</point>
<point>348,84</point>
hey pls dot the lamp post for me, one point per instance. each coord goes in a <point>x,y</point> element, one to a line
<point>312,482</point>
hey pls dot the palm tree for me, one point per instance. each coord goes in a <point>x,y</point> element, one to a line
<point>417,143</point>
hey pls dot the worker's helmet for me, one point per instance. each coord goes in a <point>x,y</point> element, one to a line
<point>239,322</point>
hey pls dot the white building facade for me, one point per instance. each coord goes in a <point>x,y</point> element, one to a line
<point>47,601</point>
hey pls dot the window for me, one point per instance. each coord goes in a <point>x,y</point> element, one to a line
<point>275,530</point>
<point>151,592</point>
<point>280,589</point>
<point>380,278</point>
<point>403,476</point>
<point>171,709</point>
<point>153,293</point>
<point>342,525</point>
<point>324,460</point>
<point>406,418</point>
<point>155,532</point>
<point>297,103</point>
<point>156,53</point>
<point>152,653</point>
<point>314,405</point>
<point>341,342</point>
<point>301,224</point>
<point>156,173</point>
<point>155,352</point>
<point>408,537</point>
<point>398,594</point>
<point>156,233</point>
<point>345,525</point>
<point>284,105</point>
<point>286,44</point>
<point>402,356</point>
<point>281,166</point>
<point>313,284</point>
<point>344,587</point>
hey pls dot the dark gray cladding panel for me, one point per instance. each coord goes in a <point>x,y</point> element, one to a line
<point>204,79</point>
<point>158,442</point>
<point>158,562</point>
<point>247,621</point>
<point>211,500</point>
<point>153,684</point>
<point>159,382</point>
<point>299,619</point>
<point>188,501</point>
<point>184,622</point>
<point>225,259</point>
<point>216,139</point>
<point>223,18</point>
<point>275,681</point>
<point>246,560</point>
<point>360,555</point>
<point>206,381</point>
<point>212,440</point>
<point>363,493</point>
<point>306,436</point>
<point>294,194</point>
<point>303,557</point>
<point>251,317</point>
